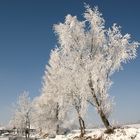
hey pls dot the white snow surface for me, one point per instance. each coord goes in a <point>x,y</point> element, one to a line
<point>124,133</point>
<point>127,132</point>
<point>4,138</point>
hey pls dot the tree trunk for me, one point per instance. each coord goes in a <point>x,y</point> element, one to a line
<point>105,120</point>
<point>57,129</point>
<point>27,130</point>
<point>57,113</point>
<point>101,113</point>
<point>25,134</point>
<point>82,126</point>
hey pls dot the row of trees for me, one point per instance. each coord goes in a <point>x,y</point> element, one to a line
<point>79,71</point>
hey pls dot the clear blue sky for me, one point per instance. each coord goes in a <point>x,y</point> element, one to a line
<point>26,38</point>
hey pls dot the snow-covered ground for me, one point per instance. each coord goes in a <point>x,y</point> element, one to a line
<point>134,125</point>
<point>129,132</point>
<point>4,139</point>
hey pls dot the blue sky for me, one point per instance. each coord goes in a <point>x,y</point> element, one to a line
<point>26,38</point>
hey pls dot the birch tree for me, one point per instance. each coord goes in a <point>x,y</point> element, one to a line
<point>58,86</point>
<point>97,53</point>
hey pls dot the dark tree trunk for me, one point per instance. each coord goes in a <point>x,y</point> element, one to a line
<point>57,113</point>
<point>82,126</point>
<point>26,134</point>
<point>105,120</point>
<point>27,129</point>
<point>103,116</point>
<point>57,129</point>
<point>101,113</point>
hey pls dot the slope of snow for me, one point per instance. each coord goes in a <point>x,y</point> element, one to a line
<point>125,133</point>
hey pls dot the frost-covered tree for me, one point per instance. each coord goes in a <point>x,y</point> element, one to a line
<point>46,115</point>
<point>91,54</point>
<point>49,103</point>
<point>40,115</point>
<point>22,116</point>
<point>70,92</point>
<point>50,91</point>
<point>57,90</point>
<point>71,88</point>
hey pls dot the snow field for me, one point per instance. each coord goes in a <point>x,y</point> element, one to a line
<point>127,133</point>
